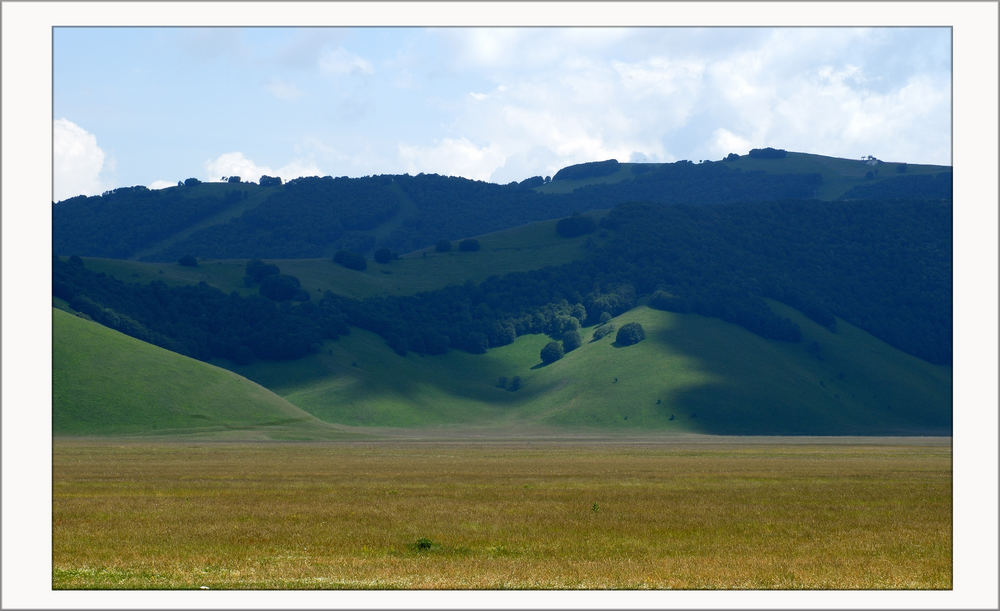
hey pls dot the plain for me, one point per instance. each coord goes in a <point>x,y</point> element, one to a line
<point>682,512</point>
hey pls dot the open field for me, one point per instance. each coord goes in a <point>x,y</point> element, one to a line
<point>657,512</point>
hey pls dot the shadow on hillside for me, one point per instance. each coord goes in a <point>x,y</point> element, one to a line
<point>764,387</point>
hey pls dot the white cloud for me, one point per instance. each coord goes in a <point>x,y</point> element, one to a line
<point>161,184</point>
<point>725,142</point>
<point>340,61</point>
<point>237,164</point>
<point>452,157</point>
<point>283,90</point>
<point>77,161</point>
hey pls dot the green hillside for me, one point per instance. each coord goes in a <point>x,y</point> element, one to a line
<point>106,383</point>
<point>839,174</point>
<point>711,376</point>
<point>523,248</point>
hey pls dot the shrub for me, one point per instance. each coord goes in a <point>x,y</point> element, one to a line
<point>768,153</point>
<point>257,270</point>
<point>515,384</point>
<point>384,255</point>
<point>424,544</point>
<point>575,225</point>
<point>571,340</point>
<point>282,288</point>
<point>602,331</point>
<point>552,352</point>
<point>350,260</point>
<point>469,245</point>
<point>188,261</point>
<point>630,333</point>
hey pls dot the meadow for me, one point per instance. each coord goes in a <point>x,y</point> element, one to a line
<point>655,512</point>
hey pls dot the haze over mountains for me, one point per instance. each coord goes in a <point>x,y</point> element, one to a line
<point>400,300</point>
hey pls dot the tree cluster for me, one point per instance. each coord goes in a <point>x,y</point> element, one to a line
<point>575,225</point>
<point>768,153</point>
<point>198,320</point>
<point>350,260</point>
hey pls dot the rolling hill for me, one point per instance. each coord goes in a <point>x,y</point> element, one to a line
<point>106,383</point>
<point>777,314</point>
<point>314,217</point>
<point>690,374</point>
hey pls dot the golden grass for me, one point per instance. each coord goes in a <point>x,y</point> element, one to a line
<point>141,515</point>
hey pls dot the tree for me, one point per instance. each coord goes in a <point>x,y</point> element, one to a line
<point>268,181</point>
<point>469,245</point>
<point>575,225</point>
<point>282,288</point>
<point>191,181</point>
<point>233,179</point>
<point>768,153</point>
<point>257,270</point>
<point>383,255</point>
<point>732,157</point>
<point>443,246</point>
<point>188,261</point>
<point>602,331</point>
<point>515,384</point>
<point>552,352</point>
<point>571,340</point>
<point>350,260</point>
<point>630,333</point>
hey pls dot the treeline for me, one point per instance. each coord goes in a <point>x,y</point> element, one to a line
<point>198,320</point>
<point>121,222</point>
<point>474,318</point>
<point>884,266</point>
<point>448,208</point>
<point>316,217</point>
<point>305,218</point>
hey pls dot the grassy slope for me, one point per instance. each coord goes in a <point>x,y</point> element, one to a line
<point>521,248</point>
<point>839,175</point>
<point>106,383</point>
<point>712,376</point>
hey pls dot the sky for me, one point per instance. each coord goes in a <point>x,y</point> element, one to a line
<point>152,106</point>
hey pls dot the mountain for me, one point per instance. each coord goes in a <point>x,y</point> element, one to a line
<point>767,310</point>
<point>316,217</point>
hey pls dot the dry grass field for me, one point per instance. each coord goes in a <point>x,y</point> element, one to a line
<point>683,513</point>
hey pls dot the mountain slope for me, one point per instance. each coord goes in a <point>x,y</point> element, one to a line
<point>106,383</point>
<point>314,217</point>
<point>690,374</point>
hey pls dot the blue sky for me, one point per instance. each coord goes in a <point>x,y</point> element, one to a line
<point>151,106</point>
